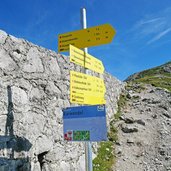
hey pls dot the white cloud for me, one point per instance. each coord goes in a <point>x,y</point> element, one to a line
<point>159,36</point>
<point>147,21</point>
<point>153,27</point>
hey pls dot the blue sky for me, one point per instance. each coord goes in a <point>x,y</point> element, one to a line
<point>142,41</point>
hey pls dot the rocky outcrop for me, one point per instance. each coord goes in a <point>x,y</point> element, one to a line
<point>159,71</point>
<point>34,87</point>
<point>144,130</point>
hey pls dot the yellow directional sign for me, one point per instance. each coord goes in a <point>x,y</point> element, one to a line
<point>78,56</point>
<point>86,89</point>
<point>92,36</point>
<point>87,83</point>
<point>80,98</point>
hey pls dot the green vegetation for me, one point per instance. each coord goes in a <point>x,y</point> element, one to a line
<point>157,77</point>
<point>106,158</point>
<point>112,135</point>
<point>121,104</point>
<point>162,82</point>
<point>137,88</point>
<point>154,71</point>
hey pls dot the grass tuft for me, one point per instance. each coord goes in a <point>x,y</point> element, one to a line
<point>121,103</point>
<point>106,155</point>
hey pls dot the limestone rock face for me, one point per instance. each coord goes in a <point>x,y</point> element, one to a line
<point>34,63</point>
<point>6,62</point>
<point>34,87</point>
<point>3,36</point>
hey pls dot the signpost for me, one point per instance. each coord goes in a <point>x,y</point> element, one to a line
<point>88,148</point>
<point>86,89</point>
<point>92,36</point>
<point>85,123</point>
<point>77,56</point>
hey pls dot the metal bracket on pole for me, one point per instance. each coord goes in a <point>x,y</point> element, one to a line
<point>88,148</point>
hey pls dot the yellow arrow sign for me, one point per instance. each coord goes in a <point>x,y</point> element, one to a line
<point>92,36</point>
<point>86,89</point>
<point>78,56</point>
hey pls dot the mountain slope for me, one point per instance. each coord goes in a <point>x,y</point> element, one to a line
<point>144,124</point>
<point>159,76</point>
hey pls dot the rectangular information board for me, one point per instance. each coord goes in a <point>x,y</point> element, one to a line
<point>85,123</point>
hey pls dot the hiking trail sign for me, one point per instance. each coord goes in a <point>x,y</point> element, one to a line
<point>92,36</point>
<point>86,60</point>
<point>86,89</point>
<point>85,123</point>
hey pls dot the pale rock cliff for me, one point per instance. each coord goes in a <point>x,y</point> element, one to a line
<point>34,87</point>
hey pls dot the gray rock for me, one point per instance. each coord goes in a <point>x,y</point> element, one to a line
<point>154,116</point>
<point>122,117</point>
<point>129,129</point>
<point>130,141</point>
<point>129,120</point>
<point>44,144</point>
<point>140,121</point>
<point>39,82</point>
<point>34,63</point>
<point>166,114</point>
<point>3,36</point>
<point>6,62</point>
<point>64,166</point>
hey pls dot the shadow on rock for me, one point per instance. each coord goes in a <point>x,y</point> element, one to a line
<point>10,143</point>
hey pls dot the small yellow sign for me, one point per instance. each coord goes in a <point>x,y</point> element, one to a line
<point>86,89</point>
<point>92,36</point>
<point>78,56</point>
<point>80,98</point>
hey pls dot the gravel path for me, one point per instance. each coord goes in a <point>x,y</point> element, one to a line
<point>144,132</point>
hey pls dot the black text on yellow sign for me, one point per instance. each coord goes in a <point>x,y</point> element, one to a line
<point>86,60</point>
<point>85,89</point>
<point>92,36</point>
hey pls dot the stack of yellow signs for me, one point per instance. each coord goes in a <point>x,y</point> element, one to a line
<point>86,89</point>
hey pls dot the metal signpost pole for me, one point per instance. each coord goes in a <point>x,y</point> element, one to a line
<point>88,149</point>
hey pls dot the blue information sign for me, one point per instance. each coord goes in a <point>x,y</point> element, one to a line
<point>85,123</point>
